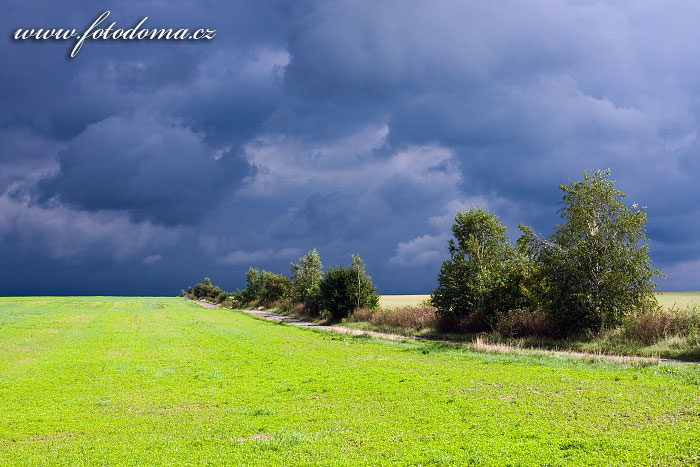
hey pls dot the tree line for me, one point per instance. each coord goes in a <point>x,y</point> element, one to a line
<point>332,294</point>
<point>591,272</point>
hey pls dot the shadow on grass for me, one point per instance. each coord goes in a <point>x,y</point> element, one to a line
<point>691,355</point>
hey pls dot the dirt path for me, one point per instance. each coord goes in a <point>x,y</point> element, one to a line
<point>476,345</point>
<point>204,304</point>
<point>277,318</point>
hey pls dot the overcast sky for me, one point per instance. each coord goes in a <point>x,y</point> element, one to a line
<point>350,127</point>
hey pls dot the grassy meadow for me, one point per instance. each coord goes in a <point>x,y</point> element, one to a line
<point>157,381</point>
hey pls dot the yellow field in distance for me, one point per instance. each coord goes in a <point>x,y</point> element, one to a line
<point>667,299</point>
<point>395,301</point>
<point>679,299</point>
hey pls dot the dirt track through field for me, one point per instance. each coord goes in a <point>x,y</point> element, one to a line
<point>476,345</point>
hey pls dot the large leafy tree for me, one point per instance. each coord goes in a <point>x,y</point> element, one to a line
<point>481,275</point>
<point>595,267</point>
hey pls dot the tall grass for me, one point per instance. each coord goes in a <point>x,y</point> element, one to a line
<point>664,332</point>
<point>407,317</point>
<point>650,326</point>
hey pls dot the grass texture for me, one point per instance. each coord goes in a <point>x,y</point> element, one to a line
<point>160,381</point>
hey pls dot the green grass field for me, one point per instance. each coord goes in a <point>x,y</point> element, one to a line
<point>667,299</point>
<point>144,381</point>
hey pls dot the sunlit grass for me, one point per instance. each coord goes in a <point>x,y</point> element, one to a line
<point>159,381</point>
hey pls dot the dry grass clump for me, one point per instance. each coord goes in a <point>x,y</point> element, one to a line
<point>522,322</point>
<point>362,315</point>
<point>407,317</point>
<point>298,310</point>
<point>302,311</point>
<point>652,325</point>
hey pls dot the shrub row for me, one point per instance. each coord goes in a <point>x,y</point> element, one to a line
<point>207,291</point>
<point>335,294</point>
<point>647,325</point>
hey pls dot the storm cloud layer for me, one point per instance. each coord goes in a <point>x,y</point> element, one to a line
<point>350,127</point>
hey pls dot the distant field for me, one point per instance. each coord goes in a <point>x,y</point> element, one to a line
<point>160,381</point>
<point>393,301</point>
<point>668,299</point>
<point>679,299</point>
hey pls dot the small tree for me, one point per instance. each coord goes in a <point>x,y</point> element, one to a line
<point>340,292</point>
<point>359,267</point>
<point>264,287</point>
<point>275,287</point>
<point>253,286</point>
<point>481,276</point>
<point>306,275</point>
<point>595,268</point>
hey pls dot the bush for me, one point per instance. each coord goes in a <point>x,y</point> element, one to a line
<point>314,300</point>
<point>407,317</point>
<point>207,291</point>
<point>362,315</point>
<point>275,287</point>
<point>522,322</point>
<point>222,296</point>
<point>263,288</point>
<point>288,306</point>
<point>284,306</point>
<point>654,324</point>
<point>343,290</point>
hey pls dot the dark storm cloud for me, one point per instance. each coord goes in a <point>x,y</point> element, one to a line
<point>344,126</point>
<point>154,170</point>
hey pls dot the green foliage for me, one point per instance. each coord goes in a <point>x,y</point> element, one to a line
<point>208,291</point>
<point>253,287</point>
<point>275,287</point>
<point>483,274</point>
<point>263,287</point>
<point>314,300</point>
<point>343,290</point>
<point>306,275</point>
<point>595,268</point>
